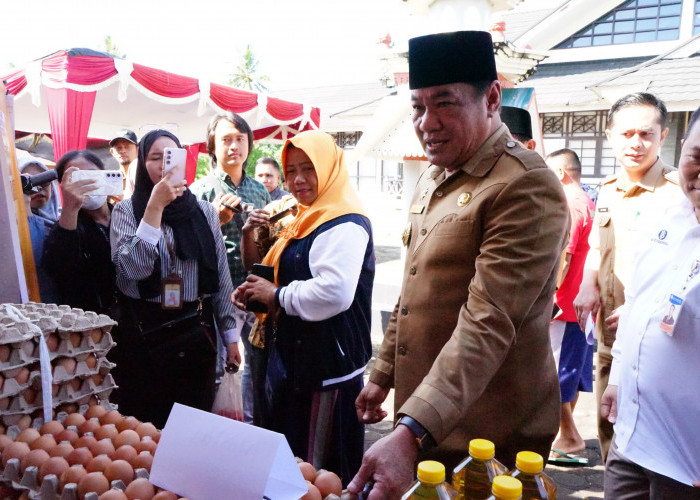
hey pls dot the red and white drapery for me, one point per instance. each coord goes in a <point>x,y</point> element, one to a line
<point>71,80</point>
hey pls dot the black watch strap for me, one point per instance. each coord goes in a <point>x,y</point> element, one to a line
<point>423,438</point>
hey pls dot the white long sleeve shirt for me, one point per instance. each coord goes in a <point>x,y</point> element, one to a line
<point>658,375</point>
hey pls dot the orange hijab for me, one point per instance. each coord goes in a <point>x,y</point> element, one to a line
<point>336,195</point>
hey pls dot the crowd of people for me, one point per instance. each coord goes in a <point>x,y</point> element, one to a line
<point>509,268</point>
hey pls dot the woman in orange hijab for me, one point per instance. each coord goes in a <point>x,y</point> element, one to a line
<point>317,332</point>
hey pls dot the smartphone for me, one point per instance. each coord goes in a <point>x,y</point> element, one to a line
<point>265,272</point>
<point>175,160</point>
<point>108,182</point>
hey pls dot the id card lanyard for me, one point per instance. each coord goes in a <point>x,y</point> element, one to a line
<point>675,301</point>
<point>171,295</point>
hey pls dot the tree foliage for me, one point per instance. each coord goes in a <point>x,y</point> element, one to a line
<point>260,149</point>
<point>111,48</point>
<point>246,75</point>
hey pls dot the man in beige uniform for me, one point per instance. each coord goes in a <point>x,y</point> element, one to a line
<point>636,132</point>
<point>467,348</point>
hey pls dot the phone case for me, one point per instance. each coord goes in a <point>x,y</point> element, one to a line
<point>109,182</point>
<point>175,159</point>
<point>265,272</point>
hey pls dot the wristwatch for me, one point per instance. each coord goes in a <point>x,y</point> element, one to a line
<point>423,438</point>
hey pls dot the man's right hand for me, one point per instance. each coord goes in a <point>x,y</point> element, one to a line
<point>368,404</point>
<point>220,203</point>
<point>608,404</point>
<point>586,302</point>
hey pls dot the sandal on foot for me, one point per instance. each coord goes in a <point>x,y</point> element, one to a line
<point>564,459</point>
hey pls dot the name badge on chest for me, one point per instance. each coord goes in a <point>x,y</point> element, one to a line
<point>171,292</point>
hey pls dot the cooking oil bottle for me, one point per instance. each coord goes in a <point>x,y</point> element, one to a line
<point>473,477</point>
<point>536,484</point>
<point>506,488</point>
<point>430,484</point>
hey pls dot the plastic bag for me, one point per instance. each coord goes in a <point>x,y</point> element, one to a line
<point>229,401</point>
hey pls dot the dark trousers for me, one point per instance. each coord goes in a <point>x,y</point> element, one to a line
<point>625,480</point>
<point>163,357</point>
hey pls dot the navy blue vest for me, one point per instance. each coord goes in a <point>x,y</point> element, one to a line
<point>322,353</point>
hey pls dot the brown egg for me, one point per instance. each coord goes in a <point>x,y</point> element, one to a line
<point>29,394</point>
<point>95,411</point>
<point>67,435</point>
<point>146,444</point>
<point>313,493</point>
<point>103,447</point>
<point>24,422</point>
<point>51,427</point>
<point>45,443</point>
<point>54,465</point>
<point>72,474</point>
<point>140,489</point>
<point>113,494</point>
<point>75,338</point>
<point>91,361</point>
<point>127,423</point>
<point>146,429</point>
<point>165,495</point>
<point>89,426</point>
<point>74,419</point>
<point>97,379</point>
<point>52,341</point>
<point>4,441</point>
<point>127,437</point>
<point>143,460</point>
<point>119,469</point>
<point>106,431</point>
<point>87,441</point>
<point>307,470</point>
<point>93,481</point>
<point>98,464</point>
<point>4,352</point>
<point>111,417</point>
<point>156,438</point>
<point>75,384</point>
<point>68,364</point>
<point>27,435</point>
<point>4,404</point>
<point>22,376</point>
<point>2,381</point>
<point>328,483</point>
<point>61,450</point>
<point>95,334</point>
<point>68,407</point>
<point>125,452</point>
<point>80,456</point>
<point>35,458</point>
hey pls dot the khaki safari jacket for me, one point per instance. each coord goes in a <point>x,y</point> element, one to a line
<point>467,347</point>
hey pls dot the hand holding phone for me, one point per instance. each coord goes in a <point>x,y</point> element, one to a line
<point>267,273</point>
<point>107,182</point>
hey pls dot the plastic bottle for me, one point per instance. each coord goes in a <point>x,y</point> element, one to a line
<point>473,477</point>
<point>430,484</point>
<point>536,484</point>
<point>506,488</point>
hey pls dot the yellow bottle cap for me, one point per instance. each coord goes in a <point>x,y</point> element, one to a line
<point>483,449</point>
<point>529,462</point>
<point>506,488</point>
<point>431,472</point>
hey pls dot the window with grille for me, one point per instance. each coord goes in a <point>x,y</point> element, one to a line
<point>633,22</point>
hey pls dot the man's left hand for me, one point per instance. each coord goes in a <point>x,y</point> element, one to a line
<point>389,464</point>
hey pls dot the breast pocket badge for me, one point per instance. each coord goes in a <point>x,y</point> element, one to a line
<point>406,235</point>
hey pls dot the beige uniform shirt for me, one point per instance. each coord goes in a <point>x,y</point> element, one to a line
<point>615,235</point>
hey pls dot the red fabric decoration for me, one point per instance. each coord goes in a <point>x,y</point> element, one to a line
<point>230,99</point>
<point>192,156</point>
<point>284,110</point>
<point>163,83</point>
<point>15,82</point>
<point>70,113</point>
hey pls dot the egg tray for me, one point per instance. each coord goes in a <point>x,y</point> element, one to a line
<point>86,346</point>
<point>22,354</point>
<point>102,367</point>
<point>66,393</point>
<point>67,319</point>
<point>11,387</point>
<point>49,487</point>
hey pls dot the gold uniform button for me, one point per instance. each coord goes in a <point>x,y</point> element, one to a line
<point>412,271</point>
<point>402,351</point>
<point>404,310</point>
<point>423,231</point>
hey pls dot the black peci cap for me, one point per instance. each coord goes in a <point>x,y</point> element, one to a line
<point>457,57</point>
<point>517,120</point>
<point>127,135</point>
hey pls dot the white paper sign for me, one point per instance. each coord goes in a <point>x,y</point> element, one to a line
<point>203,456</point>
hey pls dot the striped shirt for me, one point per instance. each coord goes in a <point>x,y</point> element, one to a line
<point>136,247</point>
<point>250,191</point>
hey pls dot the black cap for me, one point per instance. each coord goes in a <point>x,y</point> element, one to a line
<point>127,135</point>
<point>457,57</point>
<point>517,120</point>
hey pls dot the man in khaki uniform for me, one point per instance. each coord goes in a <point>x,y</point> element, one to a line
<point>467,348</point>
<point>636,132</point>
